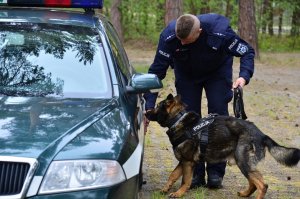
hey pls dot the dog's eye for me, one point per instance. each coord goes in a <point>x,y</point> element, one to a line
<point>163,105</point>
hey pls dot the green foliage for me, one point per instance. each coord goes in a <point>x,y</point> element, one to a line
<point>215,6</point>
<point>269,43</point>
<point>143,20</point>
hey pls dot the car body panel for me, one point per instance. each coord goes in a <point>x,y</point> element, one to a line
<point>33,124</point>
<point>51,128</point>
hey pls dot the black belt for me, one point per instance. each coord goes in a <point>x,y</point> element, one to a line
<point>238,104</point>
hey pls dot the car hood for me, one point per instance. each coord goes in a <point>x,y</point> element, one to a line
<point>32,126</point>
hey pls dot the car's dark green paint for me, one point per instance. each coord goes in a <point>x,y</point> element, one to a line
<point>107,125</point>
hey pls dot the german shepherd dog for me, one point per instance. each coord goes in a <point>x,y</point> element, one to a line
<point>229,138</point>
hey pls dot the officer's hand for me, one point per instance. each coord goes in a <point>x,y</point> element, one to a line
<point>239,82</point>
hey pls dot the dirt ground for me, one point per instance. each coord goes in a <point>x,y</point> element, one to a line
<point>272,102</point>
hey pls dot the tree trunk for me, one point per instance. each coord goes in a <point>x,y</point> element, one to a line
<point>205,7</point>
<point>280,22</point>
<point>247,24</point>
<point>270,18</point>
<point>116,18</point>
<point>229,9</point>
<point>174,8</point>
<point>264,16</point>
<point>295,31</point>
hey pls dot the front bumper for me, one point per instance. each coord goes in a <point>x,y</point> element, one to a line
<point>125,190</point>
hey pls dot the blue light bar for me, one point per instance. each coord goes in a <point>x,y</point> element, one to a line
<point>55,3</point>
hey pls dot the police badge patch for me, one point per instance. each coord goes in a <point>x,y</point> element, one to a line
<point>241,49</point>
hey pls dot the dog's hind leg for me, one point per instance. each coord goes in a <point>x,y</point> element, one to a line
<point>255,182</point>
<point>247,161</point>
<point>187,177</point>
<point>176,173</point>
<point>249,191</point>
<point>257,179</point>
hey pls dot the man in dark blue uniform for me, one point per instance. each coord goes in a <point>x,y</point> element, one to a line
<point>200,49</point>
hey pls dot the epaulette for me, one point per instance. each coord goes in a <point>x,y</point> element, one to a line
<point>219,34</point>
<point>170,37</point>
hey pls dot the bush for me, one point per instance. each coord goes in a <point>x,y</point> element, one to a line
<point>285,43</point>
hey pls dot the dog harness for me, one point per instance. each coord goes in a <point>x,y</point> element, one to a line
<point>198,131</point>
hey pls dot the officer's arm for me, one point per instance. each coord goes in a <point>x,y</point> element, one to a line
<point>162,61</point>
<point>236,46</point>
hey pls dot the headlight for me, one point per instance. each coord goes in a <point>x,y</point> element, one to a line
<point>73,175</point>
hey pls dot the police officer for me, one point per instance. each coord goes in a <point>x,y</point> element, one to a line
<point>200,49</point>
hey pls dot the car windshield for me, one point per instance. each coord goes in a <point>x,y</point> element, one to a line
<point>52,60</point>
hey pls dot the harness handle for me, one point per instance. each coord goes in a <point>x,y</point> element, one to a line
<point>238,104</point>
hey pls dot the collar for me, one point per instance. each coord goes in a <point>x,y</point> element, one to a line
<point>175,119</point>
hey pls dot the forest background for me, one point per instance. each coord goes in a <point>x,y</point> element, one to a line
<point>273,24</point>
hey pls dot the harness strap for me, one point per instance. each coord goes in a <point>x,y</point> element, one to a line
<point>198,132</point>
<point>238,104</point>
<point>203,143</point>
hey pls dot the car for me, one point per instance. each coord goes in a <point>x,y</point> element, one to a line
<point>71,104</point>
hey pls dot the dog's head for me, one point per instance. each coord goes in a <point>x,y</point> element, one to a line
<point>166,110</point>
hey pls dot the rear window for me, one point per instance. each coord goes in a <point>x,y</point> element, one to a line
<point>52,60</point>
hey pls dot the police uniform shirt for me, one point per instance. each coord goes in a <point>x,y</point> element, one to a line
<point>211,53</point>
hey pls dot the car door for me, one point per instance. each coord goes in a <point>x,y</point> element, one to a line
<point>125,73</point>
<point>135,102</point>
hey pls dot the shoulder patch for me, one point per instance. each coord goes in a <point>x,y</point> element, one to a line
<point>241,49</point>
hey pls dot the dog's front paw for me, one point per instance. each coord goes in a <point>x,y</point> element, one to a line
<point>177,194</point>
<point>164,190</point>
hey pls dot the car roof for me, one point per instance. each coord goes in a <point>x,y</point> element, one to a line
<point>76,17</point>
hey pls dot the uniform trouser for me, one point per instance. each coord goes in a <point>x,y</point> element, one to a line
<point>219,94</point>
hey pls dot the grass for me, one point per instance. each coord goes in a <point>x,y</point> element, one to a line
<point>199,193</point>
<point>141,68</point>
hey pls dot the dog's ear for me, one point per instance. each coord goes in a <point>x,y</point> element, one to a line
<point>170,97</point>
<point>178,97</point>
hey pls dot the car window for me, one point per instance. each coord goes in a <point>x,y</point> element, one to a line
<point>119,53</point>
<point>52,60</point>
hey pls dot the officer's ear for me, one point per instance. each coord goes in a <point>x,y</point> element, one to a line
<point>200,31</point>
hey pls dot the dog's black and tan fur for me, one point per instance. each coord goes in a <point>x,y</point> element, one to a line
<point>229,138</point>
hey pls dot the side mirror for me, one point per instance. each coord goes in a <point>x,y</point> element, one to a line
<point>142,83</point>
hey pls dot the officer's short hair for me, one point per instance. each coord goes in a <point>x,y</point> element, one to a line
<point>184,25</point>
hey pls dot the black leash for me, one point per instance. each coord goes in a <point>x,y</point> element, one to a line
<point>238,104</point>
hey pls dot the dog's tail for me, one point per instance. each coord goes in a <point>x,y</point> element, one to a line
<point>284,155</point>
